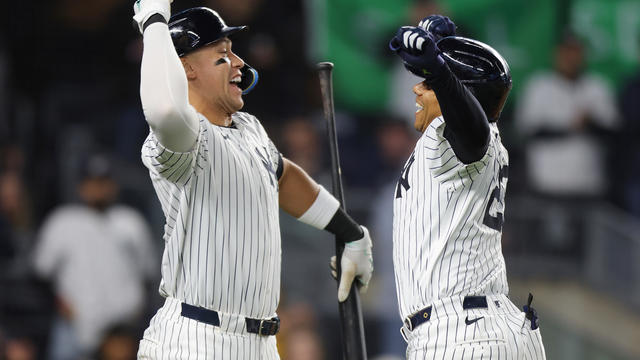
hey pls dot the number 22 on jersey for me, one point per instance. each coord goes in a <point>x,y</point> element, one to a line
<point>493,215</point>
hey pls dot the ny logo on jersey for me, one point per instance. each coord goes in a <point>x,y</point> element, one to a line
<point>404,177</point>
<point>267,164</point>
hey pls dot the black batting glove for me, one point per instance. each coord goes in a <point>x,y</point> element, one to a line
<point>438,25</point>
<point>418,51</point>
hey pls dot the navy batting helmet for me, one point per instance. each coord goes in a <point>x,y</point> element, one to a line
<point>194,28</point>
<point>481,69</point>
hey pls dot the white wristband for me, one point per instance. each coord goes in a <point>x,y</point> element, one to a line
<point>321,211</point>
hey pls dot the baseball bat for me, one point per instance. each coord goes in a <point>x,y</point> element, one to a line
<point>353,345</point>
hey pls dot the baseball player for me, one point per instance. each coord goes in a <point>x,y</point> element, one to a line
<point>449,205</point>
<point>220,180</point>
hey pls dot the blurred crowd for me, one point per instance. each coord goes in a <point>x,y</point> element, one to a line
<point>81,229</point>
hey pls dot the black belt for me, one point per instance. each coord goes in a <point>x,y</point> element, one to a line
<point>255,326</point>
<point>421,316</point>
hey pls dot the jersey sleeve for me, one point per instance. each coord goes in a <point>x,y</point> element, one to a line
<point>442,161</point>
<point>176,167</point>
<point>164,92</point>
<point>276,158</point>
<point>467,125</point>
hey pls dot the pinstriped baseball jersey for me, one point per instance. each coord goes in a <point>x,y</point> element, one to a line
<point>447,222</point>
<point>500,331</point>
<point>171,336</point>
<point>222,235</point>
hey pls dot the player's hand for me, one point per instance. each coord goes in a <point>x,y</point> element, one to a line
<point>356,262</point>
<point>418,51</point>
<point>438,25</point>
<point>143,9</point>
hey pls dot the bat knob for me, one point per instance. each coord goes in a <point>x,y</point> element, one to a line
<point>325,65</point>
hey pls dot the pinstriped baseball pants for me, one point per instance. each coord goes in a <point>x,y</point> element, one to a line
<point>499,332</point>
<point>174,337</point>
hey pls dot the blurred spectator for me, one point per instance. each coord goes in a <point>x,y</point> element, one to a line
<point>565,117</point>
<point>10,208</point>
<point>396,140</point>
<point>298,338</point>
<point>15,220</point>
<point>98,255</point>
<point>304,344</point>
<point>119,343</point>
<point>299,142</point>
<point>24,314</point>
<point>627,157</point>
<point>19,349</point>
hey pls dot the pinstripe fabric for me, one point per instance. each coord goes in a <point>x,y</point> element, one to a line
<point>222,235</point>
<point>441,246</point>
<point>174,337</point>
<point>502,332</point>
<point>447,243</point>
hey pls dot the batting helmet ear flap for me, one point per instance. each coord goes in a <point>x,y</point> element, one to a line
<point>249,79</point>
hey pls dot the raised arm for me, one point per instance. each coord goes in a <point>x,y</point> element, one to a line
<point>467,126</point>
<point>163,83</point>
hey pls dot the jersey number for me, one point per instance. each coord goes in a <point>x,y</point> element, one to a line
<point>496,222</point>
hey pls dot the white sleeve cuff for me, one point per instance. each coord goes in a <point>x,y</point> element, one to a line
<point>321,211</point>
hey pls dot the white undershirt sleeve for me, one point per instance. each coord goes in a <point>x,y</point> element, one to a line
<point>164,92</point>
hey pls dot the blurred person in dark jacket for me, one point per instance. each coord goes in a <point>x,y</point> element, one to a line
<point>24,310</point>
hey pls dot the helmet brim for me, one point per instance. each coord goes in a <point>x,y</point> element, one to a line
<point>230,30</point>
<point>225,32</point>
<point>194,28</point>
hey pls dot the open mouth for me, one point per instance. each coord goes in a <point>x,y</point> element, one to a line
<point>418,107</point>
<point>236,81</point>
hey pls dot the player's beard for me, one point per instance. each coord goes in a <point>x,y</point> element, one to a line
<point>231,107</point>
<point>232,101</point>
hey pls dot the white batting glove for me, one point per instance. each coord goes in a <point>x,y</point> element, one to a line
<point>356,262</point>
<point>143,9</point>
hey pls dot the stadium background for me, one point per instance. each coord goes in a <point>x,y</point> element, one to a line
<point>69,76</point>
